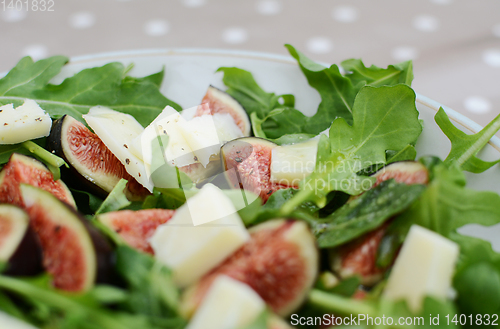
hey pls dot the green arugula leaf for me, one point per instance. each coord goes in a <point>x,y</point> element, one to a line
<point>385,118</point>
<point>79,311</point>
<point>243,87</point>
<point>365,213</point>
<point>257,213</point>
<point>447,205</point>
<point>273,116</point>
<point>115,200</point>
<point>150,285</point>
<point>278,123</point>
<point>464,148</point>
<point>409,153</point>
<point>337,92</point>
<point>345,288</point>
<point>86,202</point>
<point>376,76</point>
<point>28,76</point>
<point>155,78</point>
<point>477,276</point>
<point>7,150</point>
<point>104,85</point>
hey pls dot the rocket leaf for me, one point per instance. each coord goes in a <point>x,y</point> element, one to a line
<point>447,205</point>
<point>477,277</point>
<point>105,85</point>
<point>384,118</point>
<point>336,90</point>
<point>365,213</point>
<point>376,76</point>
<point>464,148</point>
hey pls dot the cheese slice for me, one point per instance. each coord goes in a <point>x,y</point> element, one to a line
<point>292,163</point>
<point>23,123</point>
<point>202,233</point>
<point>424,267</point>
<point>228,304</point>
<point>117,131</point>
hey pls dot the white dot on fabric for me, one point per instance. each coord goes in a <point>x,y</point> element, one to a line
<point>426,23</point>
<point>82,20</point>
<point>269,7</point>
<point>319,45</point>
<point>442,2</point>
<point>12,15</point>
<point>404,53</point>
<point>477,105</point>
<point>235,35</point>
<point>156,27</point>
<point>492,57</point>
<point>35,51</point>
<point>496,30</point>
<point>345,14</point>
<point>194,3</point>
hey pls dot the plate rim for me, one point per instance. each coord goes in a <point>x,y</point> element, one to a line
<point>459,118</point>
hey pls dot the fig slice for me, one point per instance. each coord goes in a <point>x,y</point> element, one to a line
<point>19,246</point>
<point>221,102</point>
<point>408,172</point>
<point>280,262</point>
<point>247,164</point>
<point>93,165</point>
<point>136,227</point>
<point>358,257</point>
<point>75,253</point>
<point>22,169</point>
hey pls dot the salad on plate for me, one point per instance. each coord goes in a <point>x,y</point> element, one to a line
<point>120,209</point>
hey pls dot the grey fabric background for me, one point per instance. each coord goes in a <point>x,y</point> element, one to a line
<point>455,44</point>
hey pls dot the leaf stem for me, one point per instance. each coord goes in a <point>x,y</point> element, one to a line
<point>339,304</point>
<point>489,131</point>
<point>52,161</point>
<point>296,201</point>
<point>43,154</point>
<point>58,301</point>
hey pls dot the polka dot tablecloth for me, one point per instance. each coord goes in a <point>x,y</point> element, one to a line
<point>455,44</point>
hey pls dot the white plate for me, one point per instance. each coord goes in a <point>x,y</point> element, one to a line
<point>190,71</point>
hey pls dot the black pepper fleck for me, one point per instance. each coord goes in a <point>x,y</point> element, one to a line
<point>127,161</point>
<point>125,145</point>
<point>238,159</point>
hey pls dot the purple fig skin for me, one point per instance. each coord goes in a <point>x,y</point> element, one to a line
<point>20,247</point>
<point>70,175</point>
<point>27,259</point>
<point>105,255</point>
